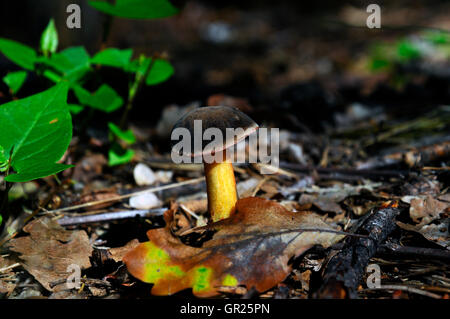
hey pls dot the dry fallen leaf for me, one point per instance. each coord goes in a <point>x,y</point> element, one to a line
<point>117,254</point>
<point>436,232</point>
<point>6,273</point>
<point>252,248</point>
<point>323,203</point>
<point>425,210</point>
<point>49,249</point>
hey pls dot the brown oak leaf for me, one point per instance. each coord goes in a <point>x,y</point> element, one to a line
<point>252,248</point>
<point>49,250</point>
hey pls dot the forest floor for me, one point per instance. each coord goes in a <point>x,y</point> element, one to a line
<point>364,146</point>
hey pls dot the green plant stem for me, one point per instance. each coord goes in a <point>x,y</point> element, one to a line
<point>134,89</point>
<point>107,23</point>
<point>106,30</point>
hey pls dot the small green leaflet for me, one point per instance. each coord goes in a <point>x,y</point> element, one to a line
<point>113,57</point>
<point>136,9</point>
<point>407,50</point>
<point>15,80</point>
<point>104,99</point>
<point>49,39</point>
<point>117,155</point>
<point>127,136</point>
<point>20,54</point>
<point>72,63</point>
<point>75,108</point>
<point>38,129</point>
<point>161,70</point>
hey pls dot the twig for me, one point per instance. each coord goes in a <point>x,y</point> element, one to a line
<point>258,187</point>
<point>346,171</point>
<point>110,216</point>
<point>414,157</point>
<point>135,88</point>
<point>345,269</point>
<point>190,212</point>
<point>415,251</point>
<point>9,267</point>
<point>407,289</point>
<point>88,281</point>
<point>118,198</point>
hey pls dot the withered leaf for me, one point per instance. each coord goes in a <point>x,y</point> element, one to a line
<point>437,232</point>
<point>251,248</point>
<point>425,210</point>
<point>117,254</point>
<point>6,286</point>
<point>49,249</point>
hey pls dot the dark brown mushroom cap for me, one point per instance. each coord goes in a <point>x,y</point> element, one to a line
<point>220,117</point>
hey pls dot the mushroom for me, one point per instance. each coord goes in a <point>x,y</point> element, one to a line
<point>220,181</point>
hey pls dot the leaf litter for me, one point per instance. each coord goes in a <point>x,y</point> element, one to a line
<point>345,148</point>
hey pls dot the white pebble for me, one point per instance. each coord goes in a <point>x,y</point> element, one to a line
<point>164,176</point>
<point>143,175</point>
<point>145,201</point>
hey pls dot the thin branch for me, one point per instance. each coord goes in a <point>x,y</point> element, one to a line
<point>119,198</point>
<point>407,289</point>
<point>110,216</point>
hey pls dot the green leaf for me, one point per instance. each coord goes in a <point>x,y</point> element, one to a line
<point>75,108</point>
<point>161,70</point>
<point>378,64</point>
<point>118,155</point>
<point>438,37</point>
<point>37,170</point>
<point>136,9</point>
<point>72,63</point>
<point>15,80</point>
<point>113,57</point>
<point>53,76</point>
<point>104,99</point>
<point>127,136</point>
<point>3,160</point>
<point>3,157</point>
<point>406,51</point>
<point>38,130</point>
<point>19,53</point>
<point>49,39</point>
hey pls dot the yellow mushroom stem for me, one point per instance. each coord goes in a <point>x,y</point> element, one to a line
<point>221,189</point>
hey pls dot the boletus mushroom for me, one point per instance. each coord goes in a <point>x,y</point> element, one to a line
<point>234,126</point>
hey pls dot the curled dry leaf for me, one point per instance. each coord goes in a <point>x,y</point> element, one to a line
<point>251,248</point>
<point>49,249</point>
